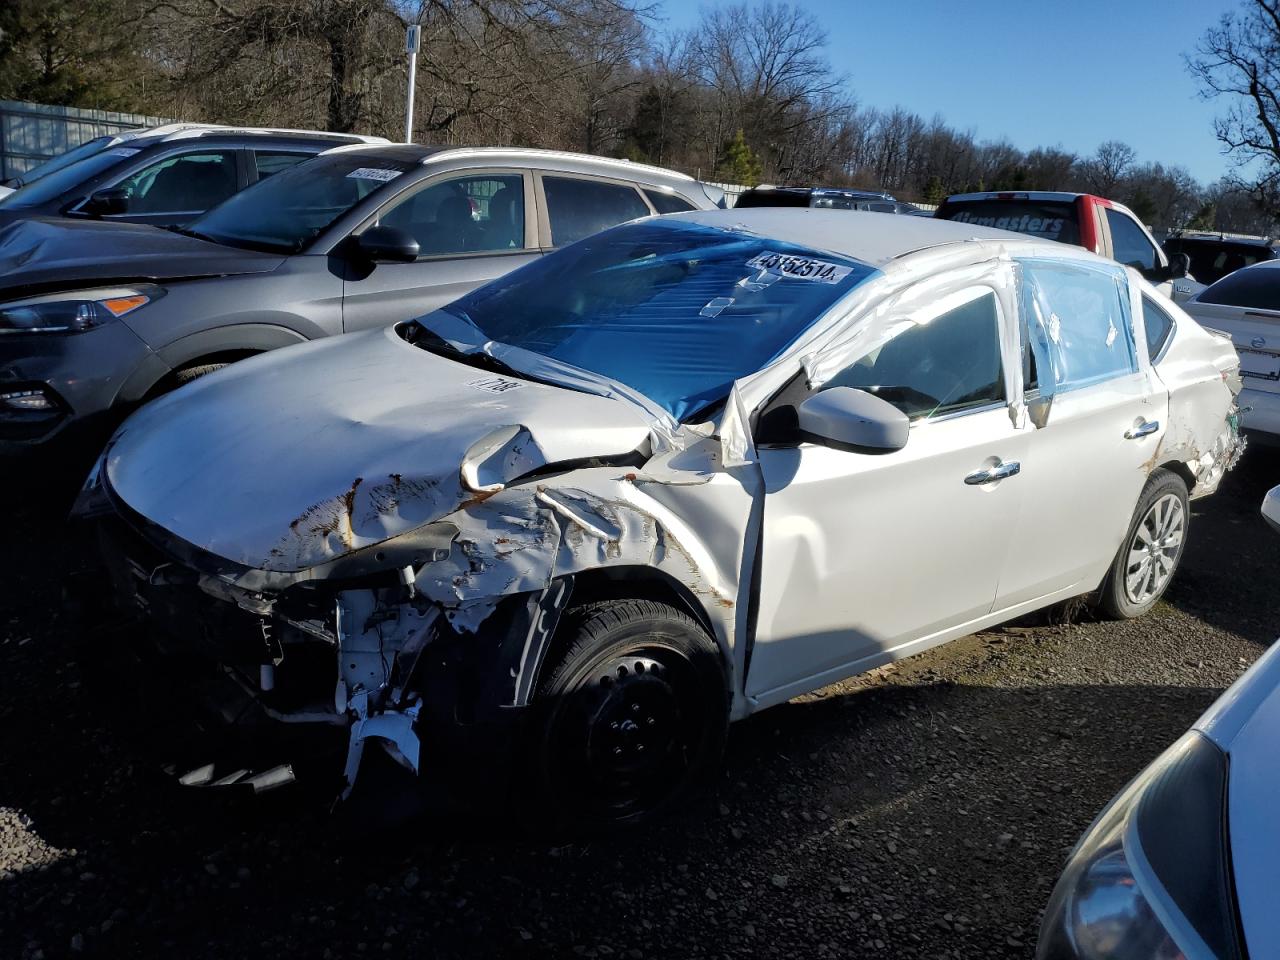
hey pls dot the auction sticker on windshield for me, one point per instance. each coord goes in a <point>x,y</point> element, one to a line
<point>373,173</point>
<point>799,268</point>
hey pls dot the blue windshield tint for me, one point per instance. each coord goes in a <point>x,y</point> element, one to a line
<point>675,310</point>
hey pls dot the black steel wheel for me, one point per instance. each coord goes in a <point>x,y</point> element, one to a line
<point>631,720</point>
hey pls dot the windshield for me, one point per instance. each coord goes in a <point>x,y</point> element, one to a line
<point>1046,219</point>
<point>87,149</point>
<point>288,210</point>
<point>53,185</point>
<point>673,309</point>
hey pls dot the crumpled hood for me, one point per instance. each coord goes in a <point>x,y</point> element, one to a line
<point>293,458</point>
<point>45,254</point>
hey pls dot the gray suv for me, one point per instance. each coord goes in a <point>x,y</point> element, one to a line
<point>163,176</point>
<point>97,317</point>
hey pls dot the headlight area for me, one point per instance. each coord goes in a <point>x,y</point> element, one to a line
<point>74,312</point>
<point>1151,878</point>
<point>278,673</point>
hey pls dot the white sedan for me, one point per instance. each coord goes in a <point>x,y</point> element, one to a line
<point>674,474</point>
<point>1245,305</point>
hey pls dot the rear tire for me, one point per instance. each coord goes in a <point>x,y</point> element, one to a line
<point>629,722</point>
<point>1152,548</point>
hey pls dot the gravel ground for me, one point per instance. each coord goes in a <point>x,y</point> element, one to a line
<point>923,811</point>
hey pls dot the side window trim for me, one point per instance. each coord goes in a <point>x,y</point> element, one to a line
<point>544,214</point>
<point>530,228</point>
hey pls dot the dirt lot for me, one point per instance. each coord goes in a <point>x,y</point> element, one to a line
<point>922,812</point>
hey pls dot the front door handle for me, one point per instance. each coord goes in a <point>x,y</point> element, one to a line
<point>1009,468</point>
<point>1145,429</point>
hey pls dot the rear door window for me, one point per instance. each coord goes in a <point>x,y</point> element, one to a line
<point>187,183</point>
<point>1129,243</point>
<point>1078,318</point>
<point>668,202</point>
<point>273,161</point>
<point>579,207</point>
<point>1046,219</point>
<point>1158,324</point>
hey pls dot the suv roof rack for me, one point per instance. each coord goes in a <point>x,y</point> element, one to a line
<point>1184,234</point>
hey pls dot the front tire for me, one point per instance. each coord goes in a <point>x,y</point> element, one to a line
<point>631,721</point>
<point>1152,548</point>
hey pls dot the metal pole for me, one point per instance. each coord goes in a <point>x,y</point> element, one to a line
<point>411,41</point>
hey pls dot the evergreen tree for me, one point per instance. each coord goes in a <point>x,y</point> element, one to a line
<point>934,191</point>
<point>738,164</point>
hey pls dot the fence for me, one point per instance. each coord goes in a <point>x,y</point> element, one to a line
<point>31,133</point>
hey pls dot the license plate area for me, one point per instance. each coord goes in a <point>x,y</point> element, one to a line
<point>1259,366</point>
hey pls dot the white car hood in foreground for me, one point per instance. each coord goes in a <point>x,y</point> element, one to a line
<point>287,460</point>
<point>1245,723</point>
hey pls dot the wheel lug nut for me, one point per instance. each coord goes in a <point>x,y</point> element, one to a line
<point>635,708</point>
<point>649,720</point>
<point>617,751</point>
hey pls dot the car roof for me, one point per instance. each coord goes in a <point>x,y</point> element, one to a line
<point>872,238</point>
<point>555,160</point>
<point>824,191</point>
<point>1015,195</point>
<point>194,131</point>
<point>1205,236</point>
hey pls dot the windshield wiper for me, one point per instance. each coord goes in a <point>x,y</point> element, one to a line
<point>433,343</point>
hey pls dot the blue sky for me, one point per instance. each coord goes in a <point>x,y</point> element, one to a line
<point>1068,73</point>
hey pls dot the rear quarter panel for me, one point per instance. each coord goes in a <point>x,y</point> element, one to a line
<point>1201,372</point>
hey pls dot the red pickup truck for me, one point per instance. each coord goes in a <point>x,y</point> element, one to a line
<point>1095,223</point>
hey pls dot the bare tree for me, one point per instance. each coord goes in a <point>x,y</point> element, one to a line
<point>1105,170</point>
<point>1239,60</point>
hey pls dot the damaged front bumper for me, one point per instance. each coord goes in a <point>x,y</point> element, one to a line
<point>295,675</point>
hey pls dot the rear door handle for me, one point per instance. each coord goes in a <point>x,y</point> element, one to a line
<point>1009,468</point>
<point>1145,429</point>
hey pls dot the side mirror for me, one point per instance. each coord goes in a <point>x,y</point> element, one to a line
<point>1179,266</point>
<point>851,419</point>
<point>104,203</point>
<point>389,244</point>
<point>1271,508</point>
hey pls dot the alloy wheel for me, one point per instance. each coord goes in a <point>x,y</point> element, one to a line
<point>1154,549</point>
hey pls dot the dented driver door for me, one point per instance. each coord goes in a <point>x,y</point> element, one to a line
<point>867,557</point>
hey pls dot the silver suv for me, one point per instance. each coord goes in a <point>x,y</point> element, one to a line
<point>96,317</point>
